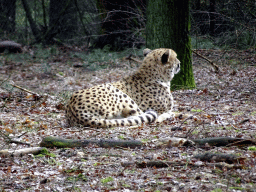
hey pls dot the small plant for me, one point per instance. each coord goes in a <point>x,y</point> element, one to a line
<point>238,180</point>
<point>121,137</point>
<point>196,110</point>
<point>106,180</point>
<point>217,190</point>
<point>252,148</point>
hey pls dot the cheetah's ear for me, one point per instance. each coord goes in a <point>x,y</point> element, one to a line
<point>165,57</point>
<point>146,51</point>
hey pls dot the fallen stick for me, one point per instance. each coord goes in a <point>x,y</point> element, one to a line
<point>218,157</point>
<point>156,164</point>
<point>211,62</point>
<point>26,90</point>
<point>162,164</point>
<point>133,59</point>
<point>167,142</point>
<point>224,141</point>
<point>70,143</point>
<point>35,95</point>
<point>33,150</point>
<point>10,140</point>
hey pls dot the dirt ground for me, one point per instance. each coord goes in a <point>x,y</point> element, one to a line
<point>222,105</point>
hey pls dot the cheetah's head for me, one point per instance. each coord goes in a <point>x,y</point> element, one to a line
<point>163,61</point>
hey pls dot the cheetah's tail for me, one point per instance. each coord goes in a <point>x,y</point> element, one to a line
<point>147,117</point>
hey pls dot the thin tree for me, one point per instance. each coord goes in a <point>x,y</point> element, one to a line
<point>32,23</point>
<point>168,26</point>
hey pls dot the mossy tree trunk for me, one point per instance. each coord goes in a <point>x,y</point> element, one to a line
<point>168,26</point>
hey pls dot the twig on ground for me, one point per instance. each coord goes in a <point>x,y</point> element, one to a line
<point>133,59</point>
<point>9,140</point>
<point>211,62</point>
<point>35,95</point>
<point>26,90</point>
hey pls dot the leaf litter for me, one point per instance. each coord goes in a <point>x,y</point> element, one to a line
<point>222,105</point>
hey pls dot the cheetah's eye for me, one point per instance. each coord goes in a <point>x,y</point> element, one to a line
<point>165,57</point>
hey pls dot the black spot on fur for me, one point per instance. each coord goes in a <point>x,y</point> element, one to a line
<point>132,112</point>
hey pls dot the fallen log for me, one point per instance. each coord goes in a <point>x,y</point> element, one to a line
<point>219,157</point>
<point>162,164</point>
<point>70,143</point>
<point>167,142</point>
<point>224,141</point>
<point>19,152</point>
<point>11,46</point>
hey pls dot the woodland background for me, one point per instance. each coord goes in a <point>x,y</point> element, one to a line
<point>70,45</point>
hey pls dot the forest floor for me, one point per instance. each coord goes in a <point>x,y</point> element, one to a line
<point>222,105</point>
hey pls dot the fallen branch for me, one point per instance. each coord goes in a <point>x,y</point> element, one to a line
<point>70,143</point>
<point>156,164</point>
<point>211,62</point>
<point>133,59</point>
<point>33,150</point>
<point>11,46</point>
<point>26,90</point>
<point>167,142</point>
<point>36,96</point>
<point>10,140</point>
<point>215,157</point>
<point>224,141</point>
<point>162,164</point>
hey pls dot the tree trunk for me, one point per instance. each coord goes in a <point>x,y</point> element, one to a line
<point>32,23</point>
<point>63,19</point>
<point>168,25</point>
<point>7,15</point>
<point>119,21</point>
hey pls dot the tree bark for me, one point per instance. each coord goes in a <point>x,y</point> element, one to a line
<point>168,25</point>
<point>33,26</point>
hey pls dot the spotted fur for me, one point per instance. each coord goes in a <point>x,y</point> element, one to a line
<point>134,100</point>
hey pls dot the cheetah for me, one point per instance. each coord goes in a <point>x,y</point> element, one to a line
<point>143,97</point>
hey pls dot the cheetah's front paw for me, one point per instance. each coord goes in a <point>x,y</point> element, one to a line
<point>164,117</point>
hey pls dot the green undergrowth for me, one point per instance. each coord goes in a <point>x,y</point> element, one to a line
<point>202,42</point>
<point>91,59</point>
